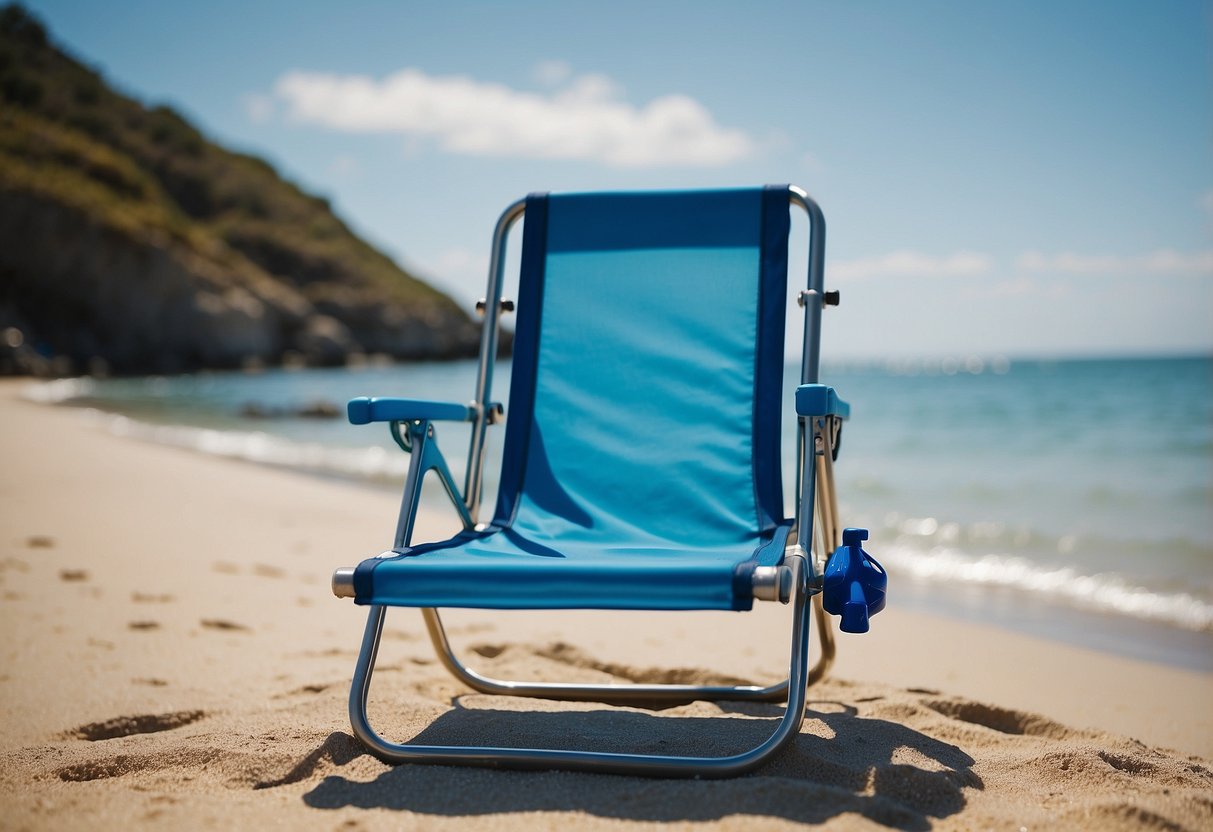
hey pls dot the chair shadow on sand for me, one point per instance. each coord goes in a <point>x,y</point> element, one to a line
<point>818,777</point>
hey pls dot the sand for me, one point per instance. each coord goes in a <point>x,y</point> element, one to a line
<point>171,657</point>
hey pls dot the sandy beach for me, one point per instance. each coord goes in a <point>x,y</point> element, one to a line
<point>172,658</point>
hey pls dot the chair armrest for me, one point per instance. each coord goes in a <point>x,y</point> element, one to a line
<point>820,400</point>
<point>363,411</point>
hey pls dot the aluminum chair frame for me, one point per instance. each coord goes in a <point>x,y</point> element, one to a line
<point>798,584</point>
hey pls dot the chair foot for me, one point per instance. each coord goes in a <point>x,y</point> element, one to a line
<point>574,760</point>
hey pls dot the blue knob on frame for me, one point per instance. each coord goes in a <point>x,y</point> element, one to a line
<point>854,583</point>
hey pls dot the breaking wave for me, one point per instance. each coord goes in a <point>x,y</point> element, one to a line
<point>1105,592</point>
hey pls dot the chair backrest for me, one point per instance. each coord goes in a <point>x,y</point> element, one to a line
<point>648,363</point>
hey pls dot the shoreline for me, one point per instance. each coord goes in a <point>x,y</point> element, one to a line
<point>1008,608</point>
<point>173,656</point>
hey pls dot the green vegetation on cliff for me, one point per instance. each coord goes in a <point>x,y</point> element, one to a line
<point>129,240</point>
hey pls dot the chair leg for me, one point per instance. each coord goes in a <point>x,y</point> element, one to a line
<point>826,508</point>
<point>623,694</point>
<point>829,538</point>
<point>572,760</point>
<point>825,635</point>
<point>668,694</point>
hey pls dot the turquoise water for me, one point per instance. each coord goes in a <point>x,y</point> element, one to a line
<point>1069,499</point>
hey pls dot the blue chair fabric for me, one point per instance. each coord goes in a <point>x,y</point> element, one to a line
<point>641,467</point>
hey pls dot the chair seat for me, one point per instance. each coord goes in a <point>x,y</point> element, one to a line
<point>507,569</point>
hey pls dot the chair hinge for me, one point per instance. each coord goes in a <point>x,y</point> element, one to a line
<point>831,298</point>
<point>504,306</point>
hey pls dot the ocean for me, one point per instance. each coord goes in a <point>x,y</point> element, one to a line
<point>1068,499</point>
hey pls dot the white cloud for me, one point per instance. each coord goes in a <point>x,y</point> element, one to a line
<point>1160,262</point>
<point>906,263</point>
<point>585,118</point>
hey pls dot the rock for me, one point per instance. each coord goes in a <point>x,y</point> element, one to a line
<point>318,409</point>
<point>325,341</point>
<point>129,243</point>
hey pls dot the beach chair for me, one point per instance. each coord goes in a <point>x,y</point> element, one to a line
<point>641,467</point>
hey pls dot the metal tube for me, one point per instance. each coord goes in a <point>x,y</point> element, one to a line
<point>811,359</point>
<point>424,457</point>
<point>825,635</point>
<point>636,764</point>
<point>810,366</point>
<point>433,460</point>
<point>806,511</point>
<point>829,537</point>
<point>343,582</point>
<point>591,692</point>
<point>828,496</point>
<point>488,357</point>
<point>412,488</point>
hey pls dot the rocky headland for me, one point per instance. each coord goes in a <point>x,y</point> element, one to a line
<point>130,243</point>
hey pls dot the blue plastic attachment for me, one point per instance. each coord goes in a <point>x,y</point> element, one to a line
<point>820,400</point>
<point>854,585</point>
<point>363,411</point>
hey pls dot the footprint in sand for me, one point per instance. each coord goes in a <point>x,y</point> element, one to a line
<point>1002,720</point>
<point>125,726</point>
<point>224,624</point>
<point>1128,763</point>
<point>73,574</point>
<point>151,598</point>
<point>573,657</point>
<point>488,651</point>
<point>144,626</point>
<point>314,688</point>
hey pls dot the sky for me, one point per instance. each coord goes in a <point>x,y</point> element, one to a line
<point>1018,179</point>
